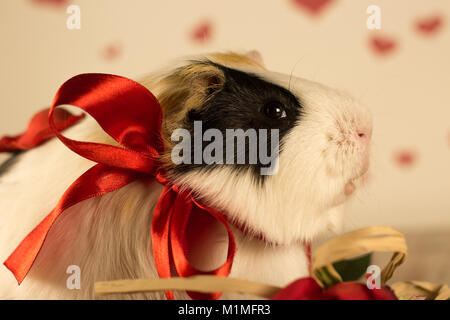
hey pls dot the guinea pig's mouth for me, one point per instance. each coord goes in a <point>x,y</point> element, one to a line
<point>352,184</point>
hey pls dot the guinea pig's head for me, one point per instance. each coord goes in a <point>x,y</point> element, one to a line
<point>273,152</point>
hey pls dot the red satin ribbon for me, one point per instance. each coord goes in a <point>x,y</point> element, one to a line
<point>38,130</point>
<point>131,115</point>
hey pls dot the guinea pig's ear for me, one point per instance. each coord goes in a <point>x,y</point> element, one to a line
<point>207,81</point>
<point>256,56</point>
<point>187,88</point>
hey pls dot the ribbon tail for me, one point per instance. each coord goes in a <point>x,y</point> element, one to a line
<point>96,181</point>
<point>38,130</point>
<point>160,230</point>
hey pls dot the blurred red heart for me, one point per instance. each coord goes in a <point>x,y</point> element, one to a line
<point>56,3</point>
<point>382,44</point>
<point>112,51</point>
<point>405,158</point>
<point>429,25</point>
<point>312,6</point>
<point>202,33</point>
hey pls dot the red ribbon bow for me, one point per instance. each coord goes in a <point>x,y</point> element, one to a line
<point>131,115</point>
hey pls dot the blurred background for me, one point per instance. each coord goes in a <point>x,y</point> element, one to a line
<point>400,71</point>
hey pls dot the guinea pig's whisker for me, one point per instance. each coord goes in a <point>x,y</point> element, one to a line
<point>292,72</point>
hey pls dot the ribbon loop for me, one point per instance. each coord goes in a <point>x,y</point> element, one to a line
<point>125,110</point>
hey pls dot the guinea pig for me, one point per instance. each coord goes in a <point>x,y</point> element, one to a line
<point>323,153</point>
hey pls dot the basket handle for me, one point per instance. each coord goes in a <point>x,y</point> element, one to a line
<point>357,243</point>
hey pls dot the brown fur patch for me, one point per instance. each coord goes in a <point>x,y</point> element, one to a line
<point>232,59</point>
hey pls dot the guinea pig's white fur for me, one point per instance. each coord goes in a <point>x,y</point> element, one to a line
<point>109,237</point>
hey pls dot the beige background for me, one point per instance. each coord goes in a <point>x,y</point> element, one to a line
<point>408,89</point>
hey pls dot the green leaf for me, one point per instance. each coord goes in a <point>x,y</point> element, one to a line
<point>326,278</point>
<point>353,269</point>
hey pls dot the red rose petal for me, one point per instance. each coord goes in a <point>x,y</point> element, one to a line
<point>302,289</point>
<point>429,25</point>
<point>313,7</point>
<point>384,293</point>
<point>309,289</point>
<point>348,291</point>
<point>202,33</point>
<point>382,45</point>
<point>358,291</point>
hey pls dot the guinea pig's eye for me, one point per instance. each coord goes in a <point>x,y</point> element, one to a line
<point>274,110</point>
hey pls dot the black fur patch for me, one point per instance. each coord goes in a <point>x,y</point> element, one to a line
<point>9,163</point>
<point>239,105</point>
